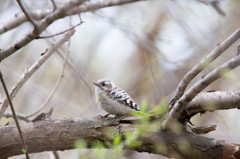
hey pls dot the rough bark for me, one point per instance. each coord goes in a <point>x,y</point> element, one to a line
<point>211,101</point>
<point>60,134</point>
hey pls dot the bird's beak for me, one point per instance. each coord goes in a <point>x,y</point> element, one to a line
<point>96,84</point>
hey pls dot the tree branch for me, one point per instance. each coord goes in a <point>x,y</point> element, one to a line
<point>24,146</point>
<point>51,135</point>
<point>55,87</point>
<point>20,18</point>
<point>178,108</point>
<point>27,15</point>
<point>59,13</point>
<point>54,4</point>
<point>203,64</point>
<point>33,68</point>
<point>19,116</point>
<point>211,101</point>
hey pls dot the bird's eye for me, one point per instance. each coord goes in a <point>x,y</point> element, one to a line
<point>106,83</point>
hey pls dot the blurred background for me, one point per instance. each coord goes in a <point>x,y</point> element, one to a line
<point>144,48</point>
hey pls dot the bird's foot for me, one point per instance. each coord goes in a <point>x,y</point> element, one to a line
<point>106,115</point>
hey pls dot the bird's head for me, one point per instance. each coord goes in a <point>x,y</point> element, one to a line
<point>104,84</point>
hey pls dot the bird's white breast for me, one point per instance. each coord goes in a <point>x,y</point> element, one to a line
<point>114,107</point>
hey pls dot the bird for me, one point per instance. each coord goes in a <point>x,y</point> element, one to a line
<point>114,100</point>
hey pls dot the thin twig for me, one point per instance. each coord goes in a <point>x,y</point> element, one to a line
<point>57,14</point>
<point>216,6</point>
<point>24,146</point>
<point>25,76</point>
<point>77,72</point>
<point>204,129</point>
<point>20,18</point>
<point>59,33</point>
<point>18,115</point>
<point>54,4</point>
<point>238,49</point>
<point>60,12</point>
<point>54,89</point>
<point>198,87</point>
<point>55,154</point>
<point>27,15</point>
<point>203,64</point>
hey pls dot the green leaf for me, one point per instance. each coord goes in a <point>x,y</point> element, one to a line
<point>116,140</point>
<point>138,114</point>
<point>24,150</point>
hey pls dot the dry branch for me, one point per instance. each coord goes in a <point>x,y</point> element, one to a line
<point>203,64</point>
<point>34,68</point>
<point>27,15</point>
<point>57,14</point>
<point>24,146</point>
<point>217,73</point>
<point>60,12</point>
<point>51,135</point>
<point>54,89</point>
<point>20,18</point>
<point>211,101</point>
<point>19,116</point>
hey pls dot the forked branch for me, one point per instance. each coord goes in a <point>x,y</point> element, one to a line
<point>178,108</point>
<point>203,64</point>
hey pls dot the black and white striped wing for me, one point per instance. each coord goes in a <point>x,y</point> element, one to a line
<point>122,97</point>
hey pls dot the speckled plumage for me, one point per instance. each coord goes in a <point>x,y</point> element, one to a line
<point>114,100</point>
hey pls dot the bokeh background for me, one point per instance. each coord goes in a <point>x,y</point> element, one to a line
<point>144,48</point>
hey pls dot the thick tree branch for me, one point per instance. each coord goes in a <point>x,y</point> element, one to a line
<point>211,101</point>
<point>62,133</point>
<point>50,135</point>
<point>203,64</point>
